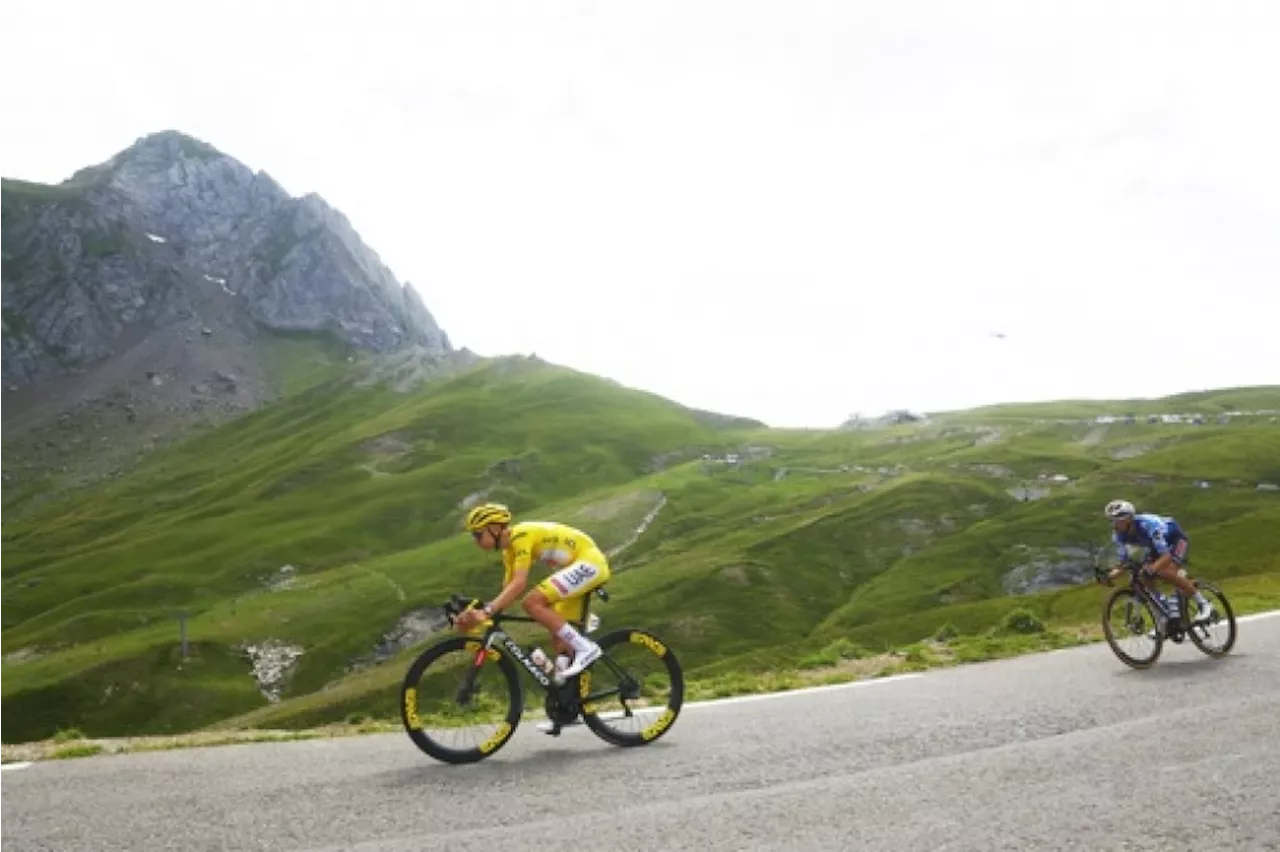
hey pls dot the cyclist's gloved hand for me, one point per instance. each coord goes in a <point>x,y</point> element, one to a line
<point>469,618</point>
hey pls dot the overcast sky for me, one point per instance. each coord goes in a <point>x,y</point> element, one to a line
<point>789,210</point>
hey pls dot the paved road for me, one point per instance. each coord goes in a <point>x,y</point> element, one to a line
<point>1068,750</point>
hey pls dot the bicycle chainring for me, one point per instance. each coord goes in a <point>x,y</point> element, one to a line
<point>562,706</point>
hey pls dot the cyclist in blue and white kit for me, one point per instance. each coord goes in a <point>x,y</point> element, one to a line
<point>1166,545</point>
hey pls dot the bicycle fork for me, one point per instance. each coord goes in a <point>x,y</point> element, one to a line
<point>467,689</point>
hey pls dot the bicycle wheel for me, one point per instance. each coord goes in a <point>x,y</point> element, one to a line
<point>1223,615</point>
<point>445,683</point>
<point>1136,623</point>
<point>659,694</point>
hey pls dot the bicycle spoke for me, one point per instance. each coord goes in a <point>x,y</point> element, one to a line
<point>1131,629</point>
<point>650,689</point>
<point>457,710</point>
<point>1217,636</point>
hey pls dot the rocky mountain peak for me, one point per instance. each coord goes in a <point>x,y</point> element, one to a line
<point>178,255</point>
<point>168,215</point>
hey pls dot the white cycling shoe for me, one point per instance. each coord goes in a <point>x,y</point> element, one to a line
<point>581,659</point>
<point>1203,613</point>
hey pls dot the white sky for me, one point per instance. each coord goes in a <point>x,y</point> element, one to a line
<point>788,210</point>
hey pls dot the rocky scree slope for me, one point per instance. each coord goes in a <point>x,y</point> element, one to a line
<point>172,286</point>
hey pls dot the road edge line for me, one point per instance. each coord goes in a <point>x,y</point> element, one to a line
<point>808,690</point>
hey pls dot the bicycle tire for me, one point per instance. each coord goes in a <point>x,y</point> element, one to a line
<point>675,700</point>
<point>408,709</point>
<point>1226,610</point>
<point>1112,600</point>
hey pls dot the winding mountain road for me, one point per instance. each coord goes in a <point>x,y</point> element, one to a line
<point>1065,750</point>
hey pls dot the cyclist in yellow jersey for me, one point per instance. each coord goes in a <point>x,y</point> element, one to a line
<point>578,567</point>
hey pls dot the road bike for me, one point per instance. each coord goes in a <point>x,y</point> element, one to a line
<point>457,665</point>
<point>1133,612</point>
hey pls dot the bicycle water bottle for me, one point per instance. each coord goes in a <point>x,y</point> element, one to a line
<point>1171,604</point>
<point>540,659</point>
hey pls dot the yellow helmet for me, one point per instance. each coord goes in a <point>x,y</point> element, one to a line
<point>487,513</point>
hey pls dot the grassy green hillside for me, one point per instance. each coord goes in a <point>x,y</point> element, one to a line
<point>320,522</point>
<point>1206,402</point>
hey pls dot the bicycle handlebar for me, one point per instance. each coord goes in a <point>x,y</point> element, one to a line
<point>1130,565</point>
<point>457,604</point>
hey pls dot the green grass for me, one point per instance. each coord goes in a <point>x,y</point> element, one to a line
<point>818,547</point>
<point>73,751</point>
<point>17,192</point>
<point>298,360</point>
<point>1214,401</point>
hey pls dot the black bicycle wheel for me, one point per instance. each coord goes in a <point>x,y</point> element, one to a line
<point>1135,621</point>
<point>1223,615</point>
<point>617,679</point>
<point>446,680</point>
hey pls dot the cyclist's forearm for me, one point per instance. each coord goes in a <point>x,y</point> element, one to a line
<point>510,592</point>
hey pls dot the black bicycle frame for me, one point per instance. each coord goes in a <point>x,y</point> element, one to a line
<point>514,649</point>
<point>1137,585</point>
<point>495,633</point>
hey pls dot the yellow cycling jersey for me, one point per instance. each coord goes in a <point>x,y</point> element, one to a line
<point>549,543</point>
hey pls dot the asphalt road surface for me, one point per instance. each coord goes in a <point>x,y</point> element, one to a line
<point>1067,750</point>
